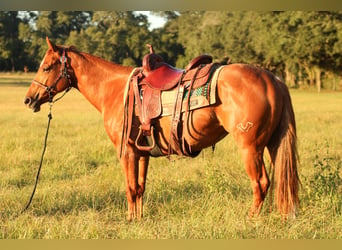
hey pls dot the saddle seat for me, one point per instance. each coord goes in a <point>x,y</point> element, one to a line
<point>165,77</point>
<point>162,76</point>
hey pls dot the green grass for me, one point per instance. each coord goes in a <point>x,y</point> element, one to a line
<point>81,190</point>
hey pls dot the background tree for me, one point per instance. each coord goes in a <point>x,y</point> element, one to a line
<point>303,47</point>
<point>10,46</point>
<point>115,36</point>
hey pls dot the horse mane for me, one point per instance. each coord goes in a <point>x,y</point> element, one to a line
<point>85,56</point>
<point>71,48</point>
<point>68,48</point>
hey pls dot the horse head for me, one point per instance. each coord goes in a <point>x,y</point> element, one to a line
<point>52,77</point>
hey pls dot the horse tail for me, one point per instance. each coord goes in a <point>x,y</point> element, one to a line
<point>284,157</point>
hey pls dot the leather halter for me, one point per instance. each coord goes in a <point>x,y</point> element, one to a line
<point>62,74</point>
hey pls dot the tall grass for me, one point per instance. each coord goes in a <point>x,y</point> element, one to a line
<point>81,189</point>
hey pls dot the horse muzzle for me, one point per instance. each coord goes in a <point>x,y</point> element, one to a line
<point>32,103</point>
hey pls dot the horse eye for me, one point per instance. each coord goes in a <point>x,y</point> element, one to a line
<point>47,69</point>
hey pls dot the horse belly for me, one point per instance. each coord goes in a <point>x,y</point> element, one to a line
<point>203,128</point>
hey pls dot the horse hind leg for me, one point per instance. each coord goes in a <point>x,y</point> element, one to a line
<point>255,168</point>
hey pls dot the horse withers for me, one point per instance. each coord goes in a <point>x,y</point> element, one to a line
<point>251,104</point>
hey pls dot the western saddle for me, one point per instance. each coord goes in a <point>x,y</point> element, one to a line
<point>144,99</point>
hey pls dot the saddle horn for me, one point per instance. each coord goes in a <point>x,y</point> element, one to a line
<point>151,48</point>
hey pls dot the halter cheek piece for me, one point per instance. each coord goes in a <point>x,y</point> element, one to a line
<point>62,74</point>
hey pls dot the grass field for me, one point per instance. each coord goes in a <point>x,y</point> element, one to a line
<point>81,189</point>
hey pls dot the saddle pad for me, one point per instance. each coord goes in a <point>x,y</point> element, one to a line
<point>199,97</point>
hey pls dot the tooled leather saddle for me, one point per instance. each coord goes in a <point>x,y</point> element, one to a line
<point>145,87</point>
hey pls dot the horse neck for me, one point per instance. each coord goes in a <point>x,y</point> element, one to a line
<point>99,81</point>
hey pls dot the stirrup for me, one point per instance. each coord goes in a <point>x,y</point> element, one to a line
<point>140,136</point>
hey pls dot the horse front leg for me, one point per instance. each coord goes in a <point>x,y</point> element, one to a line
<point>129,163</point>
<point>143,166</point>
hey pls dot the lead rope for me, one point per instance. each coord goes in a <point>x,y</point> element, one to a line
<point>51,102</point>
<point>43,152</point>
<point>41,162</point>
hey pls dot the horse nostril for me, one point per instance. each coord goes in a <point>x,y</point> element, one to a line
<point>28,101</point>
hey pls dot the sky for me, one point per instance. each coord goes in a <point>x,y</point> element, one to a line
<point>156,21</point>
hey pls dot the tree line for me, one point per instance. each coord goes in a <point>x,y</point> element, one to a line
<point>303,47</point>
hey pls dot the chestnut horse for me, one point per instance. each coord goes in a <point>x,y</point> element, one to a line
<point>252,104</point>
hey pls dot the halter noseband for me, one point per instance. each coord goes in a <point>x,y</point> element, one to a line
<point>62,74</point>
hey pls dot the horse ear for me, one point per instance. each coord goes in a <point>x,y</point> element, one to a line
<point>51,45</point>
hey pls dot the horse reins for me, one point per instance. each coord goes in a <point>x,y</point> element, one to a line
<point>50,89</point>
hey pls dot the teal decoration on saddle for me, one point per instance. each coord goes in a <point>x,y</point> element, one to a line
<point>201,91</point>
